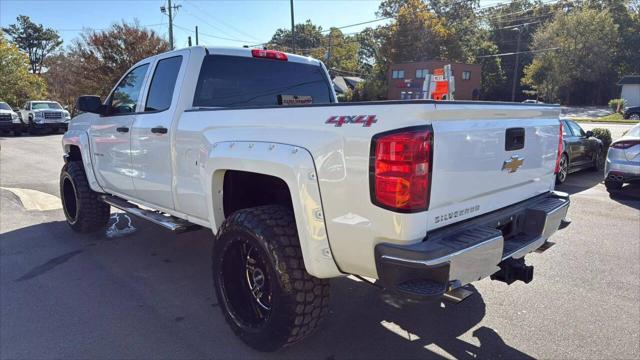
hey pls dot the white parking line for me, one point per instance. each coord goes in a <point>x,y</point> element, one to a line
<point>36,200</point>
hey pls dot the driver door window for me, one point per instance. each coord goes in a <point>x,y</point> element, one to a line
<point>576,129</point>
<point>124,99</point>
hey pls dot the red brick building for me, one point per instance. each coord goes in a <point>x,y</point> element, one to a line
<point>406,79</point>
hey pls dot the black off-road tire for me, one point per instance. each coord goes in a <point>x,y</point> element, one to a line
<point>31,128</point>
<point>299,301</point>
<point>85,213</point>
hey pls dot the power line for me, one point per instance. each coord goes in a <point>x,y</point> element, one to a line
<point>102,29</point>
<point>211,36</point>
<point>239,31</point>
<point>356,24</point>
<point>517,52</point>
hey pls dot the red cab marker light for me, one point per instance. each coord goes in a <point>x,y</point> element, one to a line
<point>269,54</point>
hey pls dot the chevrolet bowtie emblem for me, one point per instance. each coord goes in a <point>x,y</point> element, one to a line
<point>512,165</point>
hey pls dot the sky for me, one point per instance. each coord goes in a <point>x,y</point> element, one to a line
<point>220,22</point>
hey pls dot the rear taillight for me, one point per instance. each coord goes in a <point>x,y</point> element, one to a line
<point>400,170</point>
<point>625,144</point>
<point>269,54</point>
<point>560,140</point>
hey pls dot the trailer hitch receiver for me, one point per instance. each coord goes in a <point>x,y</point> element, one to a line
<point>513,269</point>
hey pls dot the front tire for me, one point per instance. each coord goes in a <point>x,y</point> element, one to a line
<point>264,291</point>
<point>31,128</point>
<point>85,213</point>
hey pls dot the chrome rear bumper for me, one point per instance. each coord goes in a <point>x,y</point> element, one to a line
<point>461,253</point>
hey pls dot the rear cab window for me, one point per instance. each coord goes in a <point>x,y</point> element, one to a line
<point>235,81</point>
<point>163,84</point>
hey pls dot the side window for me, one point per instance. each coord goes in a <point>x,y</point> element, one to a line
<point>124,98</point>
<point>163,83</point>
<point>565,129</point>
<point>26,106</point>
<point>576,129</point>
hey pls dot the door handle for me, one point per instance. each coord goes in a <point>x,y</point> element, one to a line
<point>159,130</point>
<point>122,129</point>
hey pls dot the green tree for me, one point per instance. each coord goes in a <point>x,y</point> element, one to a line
<point>417,34</point>
<point>34,40</point>
<point>95,62</point>
<point>308,39</point>
<point>584,43</point>
<point>341,53</point>
<point>18,84</point>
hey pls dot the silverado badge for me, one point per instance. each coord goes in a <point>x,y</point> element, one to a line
<point>512,165</point>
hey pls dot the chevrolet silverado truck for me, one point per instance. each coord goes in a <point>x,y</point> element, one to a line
<point>44,114</point>
<point>421,197</point>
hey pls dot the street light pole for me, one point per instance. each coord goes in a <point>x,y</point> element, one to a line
<point>293,31</point>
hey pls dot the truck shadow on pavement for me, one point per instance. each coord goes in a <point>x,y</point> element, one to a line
<point>169,277</point>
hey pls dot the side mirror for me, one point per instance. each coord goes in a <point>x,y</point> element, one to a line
<point>89,103</point>
<point>589,133</point>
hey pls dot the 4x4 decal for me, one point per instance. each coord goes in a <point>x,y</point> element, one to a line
<point>365,120</point>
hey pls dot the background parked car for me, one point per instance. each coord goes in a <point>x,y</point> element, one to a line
<point>632,113</point>
<point>623,160</point>
<point>581,150</point>
<point>9,120</point>
<point>38,115</point>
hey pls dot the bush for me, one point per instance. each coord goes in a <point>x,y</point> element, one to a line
<point>616,105</point>
<point>604,135</point>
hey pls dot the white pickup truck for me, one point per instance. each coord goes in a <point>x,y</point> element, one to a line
<point>421,196</point>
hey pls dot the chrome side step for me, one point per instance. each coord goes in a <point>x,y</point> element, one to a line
<point>168,222</point>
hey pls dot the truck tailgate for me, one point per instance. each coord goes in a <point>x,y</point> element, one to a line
<point>479,163</point>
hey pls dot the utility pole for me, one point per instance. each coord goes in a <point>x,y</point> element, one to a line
<point>196,35</point>
<point>189,41</point>
<point>515,68</point>
<point>293,31</point>
<point>163,10</point>
<point>170,26</point>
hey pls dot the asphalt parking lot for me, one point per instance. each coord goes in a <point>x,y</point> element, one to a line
<point>148,293</point>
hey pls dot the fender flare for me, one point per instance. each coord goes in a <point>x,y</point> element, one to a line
<point>292,164</point>
<point>80,139</point>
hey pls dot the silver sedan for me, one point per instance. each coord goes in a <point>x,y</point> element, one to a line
<point>623,160</point>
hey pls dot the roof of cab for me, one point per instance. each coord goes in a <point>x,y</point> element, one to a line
<point>233,51</point>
